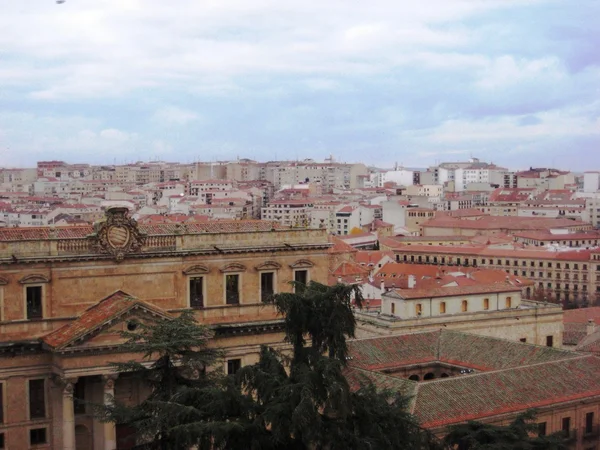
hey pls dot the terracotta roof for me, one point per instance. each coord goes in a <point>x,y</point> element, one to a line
<point>511,376</point>
<point>367,257</point>
<point>339,246</point>
<point>349,268</point>
<point>105,310</point>
<point>582,315</point>
<point>504,223</point>
<point>458,399</point>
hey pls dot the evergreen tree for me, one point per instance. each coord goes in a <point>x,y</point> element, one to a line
<point>520,434</point>
<point>181,358</point>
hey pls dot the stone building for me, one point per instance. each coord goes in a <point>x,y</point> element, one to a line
<point>65,293</point>
<point>451,377</point>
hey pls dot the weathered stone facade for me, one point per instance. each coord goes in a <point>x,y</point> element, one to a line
<point>65,293</point>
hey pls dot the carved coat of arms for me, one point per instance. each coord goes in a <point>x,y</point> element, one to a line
<point>118,234</point>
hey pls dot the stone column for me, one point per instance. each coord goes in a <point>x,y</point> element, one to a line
<point>68,414</point>
<point>110,432</point>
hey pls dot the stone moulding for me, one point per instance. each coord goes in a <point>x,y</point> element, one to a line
<point>268,265</point>
<point>34,279</point>
<point>196,269</point>
<point>302,264</point>
<point>233,267</point>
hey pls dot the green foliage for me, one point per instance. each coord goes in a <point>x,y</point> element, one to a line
<point>520,434</point>
<point>177,349</point>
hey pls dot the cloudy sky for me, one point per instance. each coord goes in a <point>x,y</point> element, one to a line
<point>515,82</point>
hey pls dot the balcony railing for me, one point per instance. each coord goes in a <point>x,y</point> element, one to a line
<point>590,433</point>
<point>570,435</point>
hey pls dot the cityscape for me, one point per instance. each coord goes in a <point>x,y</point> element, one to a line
<point>469,273</point>
<point>299,225</point>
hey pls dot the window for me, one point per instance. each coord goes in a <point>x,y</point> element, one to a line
<point>566,425</point>
<point>37,436</point>
<point>523,340</point>
<point>1,403</point>
<point>2,440</point>
<point>197,292</point>
<point>393,308</point>
<point>549,341</point>
<point>301,276</point>
<point>442,307</point>
<point>418,309</point>
<point>266,285</point>
<point>464,306</point>
<point>232,289</point>
<point>34,302</point>
<point>589,422</point>
<point>37,399</point>
<point>486,303</point>
<point>233,365</point>
<point>508,302</point>
<point>542,429</point>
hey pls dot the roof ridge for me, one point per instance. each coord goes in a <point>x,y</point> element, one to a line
<point>506,369</point>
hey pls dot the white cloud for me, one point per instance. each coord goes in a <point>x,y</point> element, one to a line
<point>175,116</point>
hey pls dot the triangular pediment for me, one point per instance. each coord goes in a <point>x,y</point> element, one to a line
<point>393,295</point>
<point>100,325</point>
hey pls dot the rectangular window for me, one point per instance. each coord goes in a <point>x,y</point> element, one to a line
<point>523,340</point>
<point>233,365</point>
<point>549,341</point>
<point>393,309</point>
<point>464,306</point>
<point>301,276</point>
<point>508,302</point>
<point>2,440</point>
<point>1,403</point>
<point>486,303</point>
<point>589,422</point>
<point>232,289</point>
<point>418,309</point>
<point>37,399</point>
<point>34,302</point>
<point>197,292</point>
<point>566,424</point>
<point>266,285</point>
<point>442,307</point>
<point>37,436</point>
<point>542,429</point>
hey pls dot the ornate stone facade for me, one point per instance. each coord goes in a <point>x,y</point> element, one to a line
<point>66,293</point>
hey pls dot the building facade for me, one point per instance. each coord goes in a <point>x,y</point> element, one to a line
<point>65,293</point>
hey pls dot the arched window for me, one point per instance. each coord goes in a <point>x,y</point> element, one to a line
<point>464,306</point>
<point>445,375</point>
<point>414,377</point>
<point>418,309</point>
<point>429,376</point>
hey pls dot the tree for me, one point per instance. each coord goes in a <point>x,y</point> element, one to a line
<point>518,435</point>
<point>181,358</point>
<point>296,400</point>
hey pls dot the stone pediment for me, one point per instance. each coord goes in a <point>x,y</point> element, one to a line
<point>393,294</point>
<point>34,279</point>
<point>196,269</point>
<point>302,264</point>
<point>268,265</point>
<point>100,325</point>
<point>233,267</point>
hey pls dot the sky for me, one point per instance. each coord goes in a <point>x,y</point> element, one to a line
<point>513,82</point>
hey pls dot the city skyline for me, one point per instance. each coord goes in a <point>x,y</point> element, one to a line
<point>113,81</point>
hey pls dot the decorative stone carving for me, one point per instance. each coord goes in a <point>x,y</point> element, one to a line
<point>302,264</point>
<point>117,235</point>
<point>233,267</point>
<point>196,269</point>
<point>3,281</point>
<point>34,279</point>
<point>269,265</point>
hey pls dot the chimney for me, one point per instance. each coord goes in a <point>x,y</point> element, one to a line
<point>590,327</point>
<point>339,279</point>
<point>382,286</point>
<point>412,281</point>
